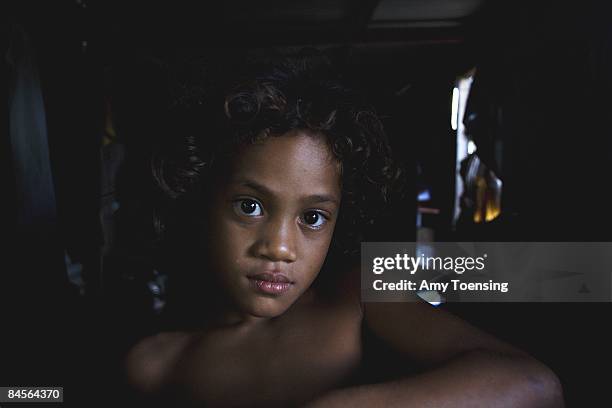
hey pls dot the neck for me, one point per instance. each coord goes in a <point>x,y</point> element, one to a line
<point>222,314</point>
<point>208,309</point>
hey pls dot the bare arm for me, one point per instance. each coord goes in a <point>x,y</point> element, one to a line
<point>465,367</point>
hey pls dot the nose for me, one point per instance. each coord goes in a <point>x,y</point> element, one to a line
<point>277,241</point>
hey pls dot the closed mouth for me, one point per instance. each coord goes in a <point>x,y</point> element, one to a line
<point>270,277</point>
<point>270,284</point>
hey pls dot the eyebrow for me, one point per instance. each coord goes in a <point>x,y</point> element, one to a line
<point>315,198</point>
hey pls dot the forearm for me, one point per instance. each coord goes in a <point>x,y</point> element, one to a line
<point>474,379</point>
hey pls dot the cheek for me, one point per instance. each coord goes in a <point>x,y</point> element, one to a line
<point>316,252</point>
<point>228,242</point>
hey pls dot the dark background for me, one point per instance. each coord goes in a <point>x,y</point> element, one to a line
<point>541,97</point>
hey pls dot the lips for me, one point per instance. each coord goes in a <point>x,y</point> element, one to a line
<point>271,277</point>
<point>270,283</point>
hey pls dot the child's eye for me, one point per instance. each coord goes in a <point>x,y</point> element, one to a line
<point>248,207</point>
<point>314,219</point>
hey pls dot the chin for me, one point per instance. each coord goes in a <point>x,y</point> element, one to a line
<point>268,308</point>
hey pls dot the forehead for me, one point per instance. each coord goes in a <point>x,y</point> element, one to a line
<point>296,160</point>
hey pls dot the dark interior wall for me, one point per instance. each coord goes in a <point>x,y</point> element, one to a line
<point>411,86</point>
<point>542,87</point>
<point>541,90</point>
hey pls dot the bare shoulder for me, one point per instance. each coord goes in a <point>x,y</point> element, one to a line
<point>340,311</point>
<point>347,287</point>
<point>149,362</point>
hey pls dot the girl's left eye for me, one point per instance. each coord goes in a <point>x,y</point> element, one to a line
<point>314,219</point>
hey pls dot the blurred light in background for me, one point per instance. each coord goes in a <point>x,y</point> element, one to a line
<point>471,147</point>
<point>455,108</point>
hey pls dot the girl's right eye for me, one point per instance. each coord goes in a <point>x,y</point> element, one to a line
<point>248,207</point>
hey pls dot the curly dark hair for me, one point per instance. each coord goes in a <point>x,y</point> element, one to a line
<point>219,107</point>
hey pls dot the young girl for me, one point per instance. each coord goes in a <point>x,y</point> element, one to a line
<point>270,174</point>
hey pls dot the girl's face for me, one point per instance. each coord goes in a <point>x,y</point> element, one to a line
<point>272,221</point>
